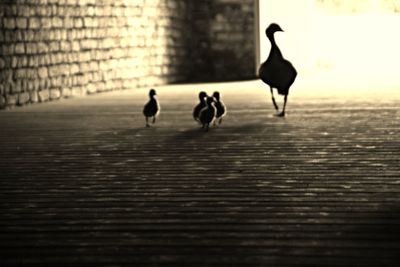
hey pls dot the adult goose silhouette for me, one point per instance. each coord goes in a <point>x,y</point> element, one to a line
<point>276,71</point>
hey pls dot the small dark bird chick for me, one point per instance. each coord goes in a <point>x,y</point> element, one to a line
<point>276,71</point>
<point>220,106</point>
<point>207,114</point>
<point>152,108</point>
<point>199,106</point>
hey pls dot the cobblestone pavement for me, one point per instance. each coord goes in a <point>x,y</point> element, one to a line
<point>83,182</point>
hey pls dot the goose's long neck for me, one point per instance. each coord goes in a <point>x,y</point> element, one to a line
<point>275,52</point>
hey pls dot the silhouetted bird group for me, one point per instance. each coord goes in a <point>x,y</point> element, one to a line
<point>207,111</point>
<point>276,72</point>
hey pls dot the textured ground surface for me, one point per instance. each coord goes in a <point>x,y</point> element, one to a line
<point>84,182</point>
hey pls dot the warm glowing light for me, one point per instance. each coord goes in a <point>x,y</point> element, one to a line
<point>337,43</point>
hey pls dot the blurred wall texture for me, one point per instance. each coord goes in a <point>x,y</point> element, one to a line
<point>52,49</point>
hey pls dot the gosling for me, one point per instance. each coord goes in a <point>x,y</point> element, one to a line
<point>202,104</point>
<point>207,114</point>
<point>220,106</point>
<point>152,108</point>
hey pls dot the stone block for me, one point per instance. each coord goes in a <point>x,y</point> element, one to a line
<point>46,23</point>
<point>91,89</point>
<point>84,67</point>
<point>94,66</point>
<point>34,23</point>
<point>65,46</point>
<point>33,61</point>
<point>43,72</point>
<point>2,63</point>
<point>22,62</point>
<point>68,23</point>
<point>19,48</point>
<point>78,91</point>
<point>11,100</point>
<point>56,82</point>
<point>28,86</point>
<point>54,46</point>
<point>78,23</point>
<point>75,46</point>
<point>88,44</point>
<point>34,96</point>
<point>31,48</point>
<point>7,50</point>
<point>42,48</point>
<point>57,22</point>
<point>90,11</point>
<point>21,23</point>
<point>23,98</point>
<point>56,58</point>
<point>30,35</point>
<point>73,68</point>
<point>66,92</point>
<point>24,11</point>
<point>44,95</point>
<point>54,71</point>
<point>85,56</point>
<point>2,101</point>
<point>55,94</point>
<point>9,23</point>
<point>88,22</point>
<point>20,73</point>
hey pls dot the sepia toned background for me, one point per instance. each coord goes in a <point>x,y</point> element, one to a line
<point>58,49</point>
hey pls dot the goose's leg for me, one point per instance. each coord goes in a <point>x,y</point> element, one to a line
<point>273,99</point>
<point>147,122</point>
<point>220,120</point>
<point>154,119</point>
<point>282,114</point>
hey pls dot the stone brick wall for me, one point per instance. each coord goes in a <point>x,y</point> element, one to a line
<point>52,49</point>
<point>224,40</point>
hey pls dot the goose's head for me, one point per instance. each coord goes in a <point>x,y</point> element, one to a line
<point>210,100</point>
<point>272,28</point>
<point>202,95</point>
<point>152,93</point>
<point>216,95</point>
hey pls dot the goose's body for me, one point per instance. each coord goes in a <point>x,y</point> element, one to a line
<point>276,71</point>
<point>208,113</point>
<point>202,104</point>
<point>151,108</point>
<point>220,106</point>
